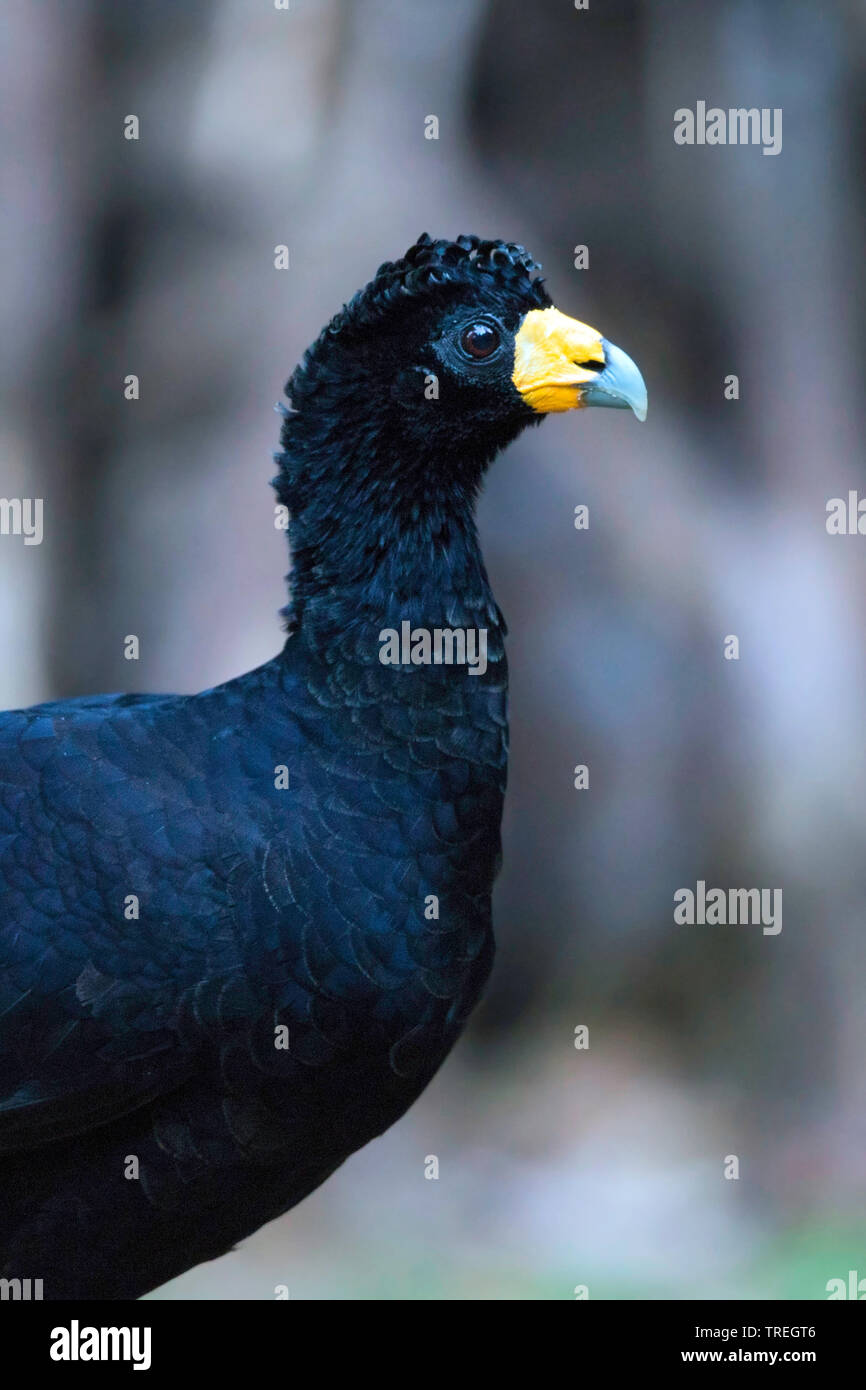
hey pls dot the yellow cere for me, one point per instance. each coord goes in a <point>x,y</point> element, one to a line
<point>548,351</point>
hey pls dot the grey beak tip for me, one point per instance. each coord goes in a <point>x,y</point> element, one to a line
<point>620,385</point>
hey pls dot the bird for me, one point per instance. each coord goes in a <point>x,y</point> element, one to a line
<point>241,930</point>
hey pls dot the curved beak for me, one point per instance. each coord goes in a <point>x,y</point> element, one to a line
<point>620,384</point>
<point>562,364</point>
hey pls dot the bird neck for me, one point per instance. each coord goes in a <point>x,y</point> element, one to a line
<point>394,631</point>
<point>380,540</point>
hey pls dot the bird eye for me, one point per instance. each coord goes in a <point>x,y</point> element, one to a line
<point>480,340</point>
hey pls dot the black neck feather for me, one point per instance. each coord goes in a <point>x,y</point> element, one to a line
<point>380,534</point>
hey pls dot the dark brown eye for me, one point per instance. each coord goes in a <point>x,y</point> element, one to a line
<point>480,339</point>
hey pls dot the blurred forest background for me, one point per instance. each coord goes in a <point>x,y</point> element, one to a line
<point>558,1167</point>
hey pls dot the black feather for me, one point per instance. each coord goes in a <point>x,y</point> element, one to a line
<point>149,1116</point>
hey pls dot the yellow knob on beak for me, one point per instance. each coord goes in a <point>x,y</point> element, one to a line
<point>562,364</point>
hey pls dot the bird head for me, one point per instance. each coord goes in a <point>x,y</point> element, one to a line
<point>455,348</point>
<point>413,388</point>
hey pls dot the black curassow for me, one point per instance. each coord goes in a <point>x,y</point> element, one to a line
<point>302,957</point>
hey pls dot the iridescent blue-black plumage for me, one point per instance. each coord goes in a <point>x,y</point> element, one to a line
<point>150,1044</point>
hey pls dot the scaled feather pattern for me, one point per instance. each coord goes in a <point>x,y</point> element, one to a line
<point>174,1075</point>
